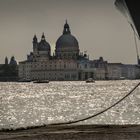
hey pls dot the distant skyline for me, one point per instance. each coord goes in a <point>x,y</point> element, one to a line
<point>99,27</point>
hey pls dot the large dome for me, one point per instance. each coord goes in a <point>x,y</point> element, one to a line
<point>67,40</point>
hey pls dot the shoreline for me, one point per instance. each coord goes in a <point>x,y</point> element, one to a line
<point>74,132</point>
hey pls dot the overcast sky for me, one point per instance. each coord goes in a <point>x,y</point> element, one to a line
<point>98,26</point>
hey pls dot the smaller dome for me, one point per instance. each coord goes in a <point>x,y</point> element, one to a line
<point>13,61</point>
<point>43,44</point>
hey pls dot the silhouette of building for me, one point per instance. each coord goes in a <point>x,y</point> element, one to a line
<point>13,61</point>
<point>6,60</point>
<point>67,62</point>
<point>9,71</point>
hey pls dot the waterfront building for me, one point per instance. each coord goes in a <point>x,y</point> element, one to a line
<point>68,63</point>
<point>114,71</point>
<point>86,69</point>
<point>95,69</point>
<point>9,71</point>
<point>63,65</point>
<point>101,68</point>
<point>130,71</point>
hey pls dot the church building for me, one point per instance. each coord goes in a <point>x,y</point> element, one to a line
<point>69,64</point>
<point>63,65</point>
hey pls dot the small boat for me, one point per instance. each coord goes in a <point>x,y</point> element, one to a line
<point>90,80</point>
<point>41,81</point>
<point>122,78</point>
<point>24,80</point>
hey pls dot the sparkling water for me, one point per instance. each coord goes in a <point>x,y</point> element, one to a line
<point>30,104</point>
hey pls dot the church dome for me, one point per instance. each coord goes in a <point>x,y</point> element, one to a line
<point>43,44</point>
<point>66,40</point>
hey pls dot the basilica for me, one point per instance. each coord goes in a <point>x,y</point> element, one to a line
<point>67,62</point>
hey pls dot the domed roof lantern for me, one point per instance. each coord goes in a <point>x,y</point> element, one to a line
<point>66,28</point>
<point>35,38</point>
<point>43,36</point>
<point>66,24</point>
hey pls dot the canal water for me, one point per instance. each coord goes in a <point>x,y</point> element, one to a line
<point>30,104</point>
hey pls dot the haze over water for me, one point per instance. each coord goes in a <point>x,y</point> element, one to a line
<point>29,104</point>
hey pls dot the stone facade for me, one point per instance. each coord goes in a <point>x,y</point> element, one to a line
<point>119,71</point>
<point>131,71</point>
<point>114,71</point>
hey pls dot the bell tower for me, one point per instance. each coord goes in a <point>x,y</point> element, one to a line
<point>35,45</point>
<point>6,60</point>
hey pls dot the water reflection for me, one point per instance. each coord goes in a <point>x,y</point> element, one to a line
<point>27,104</point>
